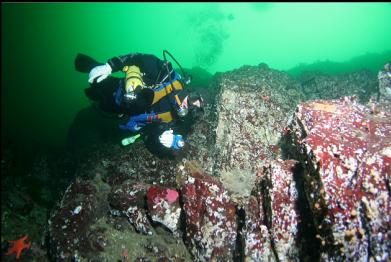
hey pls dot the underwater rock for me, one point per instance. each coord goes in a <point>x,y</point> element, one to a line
<point>248,118</point>
<point>211,228</point>
<point>316,85</point>
<point>284,214</point>
<point>163,206</point>
<point>117,164</point>
<point>128,199</point>
<point>200,143</point>
<point>384,77</point>
<point>270,230</point>
<point>255,235</point>
<point>346,152</point>
<point>252,109</point>
<point>238,142</point>
<point>103,233</point>
<point>68,225</point>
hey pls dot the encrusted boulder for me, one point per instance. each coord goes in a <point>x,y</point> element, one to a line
<point>69,225</point>
<point>200,144</point>
<point>317,85</point>
<point>284,213</point>
<point>255,234</point>
<point>384,77</point>
<point>346,150</point>
<point>270,231</point>
<point>163,206</point>
<point>252,108</point>
<point>211,228</point>
<point>248,117</point>
<point>129,199</point>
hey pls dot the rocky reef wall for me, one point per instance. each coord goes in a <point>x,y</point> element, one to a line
<point>265,176</point>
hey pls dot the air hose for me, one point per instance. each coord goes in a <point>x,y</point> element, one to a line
<point>180,111</point>
<point>173,58</point>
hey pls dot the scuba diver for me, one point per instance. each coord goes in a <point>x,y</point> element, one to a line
<point>151,94</point>
<point>164,134</point>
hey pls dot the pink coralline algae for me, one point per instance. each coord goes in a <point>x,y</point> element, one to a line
<point>163,206</point>
<point>276,191</point>
<point>210,219</point>
<point>256,235</point>
<point>158,194</point>
<point>346,149</point>
<point>284,215</point>
<point>172,195</point>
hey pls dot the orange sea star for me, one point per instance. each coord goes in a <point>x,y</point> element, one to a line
<point>18,246</point>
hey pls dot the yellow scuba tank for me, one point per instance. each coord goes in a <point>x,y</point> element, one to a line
<point>134,78</point>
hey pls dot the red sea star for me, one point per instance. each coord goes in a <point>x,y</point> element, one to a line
<point>18,246</point>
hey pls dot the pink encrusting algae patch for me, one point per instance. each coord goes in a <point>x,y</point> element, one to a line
<point>172,195</point>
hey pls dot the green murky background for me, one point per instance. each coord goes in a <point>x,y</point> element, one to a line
<point>41,91</point>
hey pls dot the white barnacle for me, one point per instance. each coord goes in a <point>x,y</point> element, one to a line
<point>359,151</point>
<point>334,149</point>
<point>339,171</point>
<point>77,210</point>
<point>386,152</point>
<point>371,160</point>
<point>214,189</point>
<point>351,163</point>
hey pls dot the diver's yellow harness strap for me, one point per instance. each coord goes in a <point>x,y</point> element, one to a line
<point>164,90</point>
<point>134,78</point>
<point>165,117</point>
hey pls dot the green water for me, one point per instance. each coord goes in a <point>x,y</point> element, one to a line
<point>41,91</point>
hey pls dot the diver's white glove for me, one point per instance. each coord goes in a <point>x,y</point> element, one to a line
<point>102,71</point>
<point>168,139</point>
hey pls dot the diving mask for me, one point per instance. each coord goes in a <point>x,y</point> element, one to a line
<point>193,103</point>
